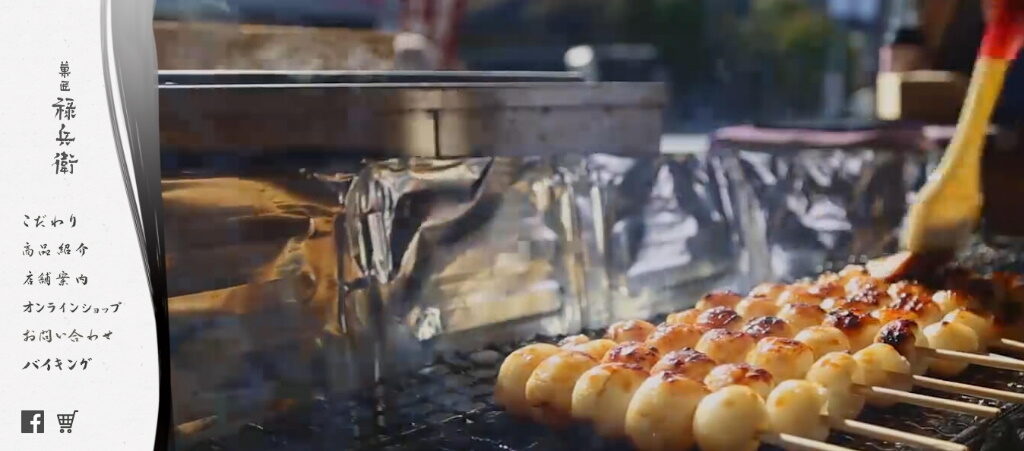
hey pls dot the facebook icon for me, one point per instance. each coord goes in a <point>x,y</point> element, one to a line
<point>31,421</point>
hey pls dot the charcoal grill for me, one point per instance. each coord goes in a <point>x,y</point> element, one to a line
<point>447,405</point>
<point>607,222</point>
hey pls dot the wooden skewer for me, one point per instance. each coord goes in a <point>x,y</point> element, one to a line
<point>893,435</point>
<point>1007,344</point>
<point>927,401</point>
<point>957,387</point>
<point>793,442</point>
<point>1005,363</point>
<point>964,389</point>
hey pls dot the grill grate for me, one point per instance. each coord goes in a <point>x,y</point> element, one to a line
<point>447,405</point>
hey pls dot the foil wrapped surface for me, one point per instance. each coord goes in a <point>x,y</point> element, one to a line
<point>253,290</point>
<point>468,252</point>
<point>799,208</point>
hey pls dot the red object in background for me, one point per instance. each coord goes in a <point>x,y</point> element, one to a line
<point>439,21</point>
<point>1004,33</point>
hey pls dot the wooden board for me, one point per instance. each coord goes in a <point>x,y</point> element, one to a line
<point>208,46</point>
<point>930,96</point>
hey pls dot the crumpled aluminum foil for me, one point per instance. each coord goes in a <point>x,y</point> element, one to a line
<point>293,285</point>
<point>460,253</point>
<point>798,209</point>
<point>253,290</point>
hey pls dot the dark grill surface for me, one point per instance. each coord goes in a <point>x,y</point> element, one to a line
<point>447,406</point>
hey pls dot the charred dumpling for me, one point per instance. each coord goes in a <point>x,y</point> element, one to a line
<point>768,326</point>
<point>603,393</point>
<point>720,318</point>
<point>640,354</point>
<point>758,379</point>
<point>784,358</point>
<point>859,329</point>
<point>801,316</point>
<point>725,346</point>
<point>906,337</point>
<point>686,362</point>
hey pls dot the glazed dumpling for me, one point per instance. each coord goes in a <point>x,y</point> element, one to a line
<point>686,362</point>
<point>983,324</point>
<point>660,416</point>
<point>595,348</point>
<point>639,354</point>
<point>602,395</point>
<point>684,317</point>
<point>722,298</point>
<point>952,336</point>
<point>629,330</point>
<point>906,336</point>
<point>549,388</point>
<point>801,316</point>
<point>510,386</point>
<point>758,379</point>
<point>823,340</point>
<point>770,291</point>
<point>730,419</point>
<point>670,337</point>
<point>768,326</point>
<point>795,406</point>
<point>834,372</point>
<point>753,307</point>
<point>859,329</point>
<point>800,293</point>
<point>785,358</point>
<point>720,318</point>
<point>725,346</point>
<point>573,340</point>
<point>874,365</point>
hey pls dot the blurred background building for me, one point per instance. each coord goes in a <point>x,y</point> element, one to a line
<point>725,61</point>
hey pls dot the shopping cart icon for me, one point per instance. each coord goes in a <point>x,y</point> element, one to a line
<point>65,420</point>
